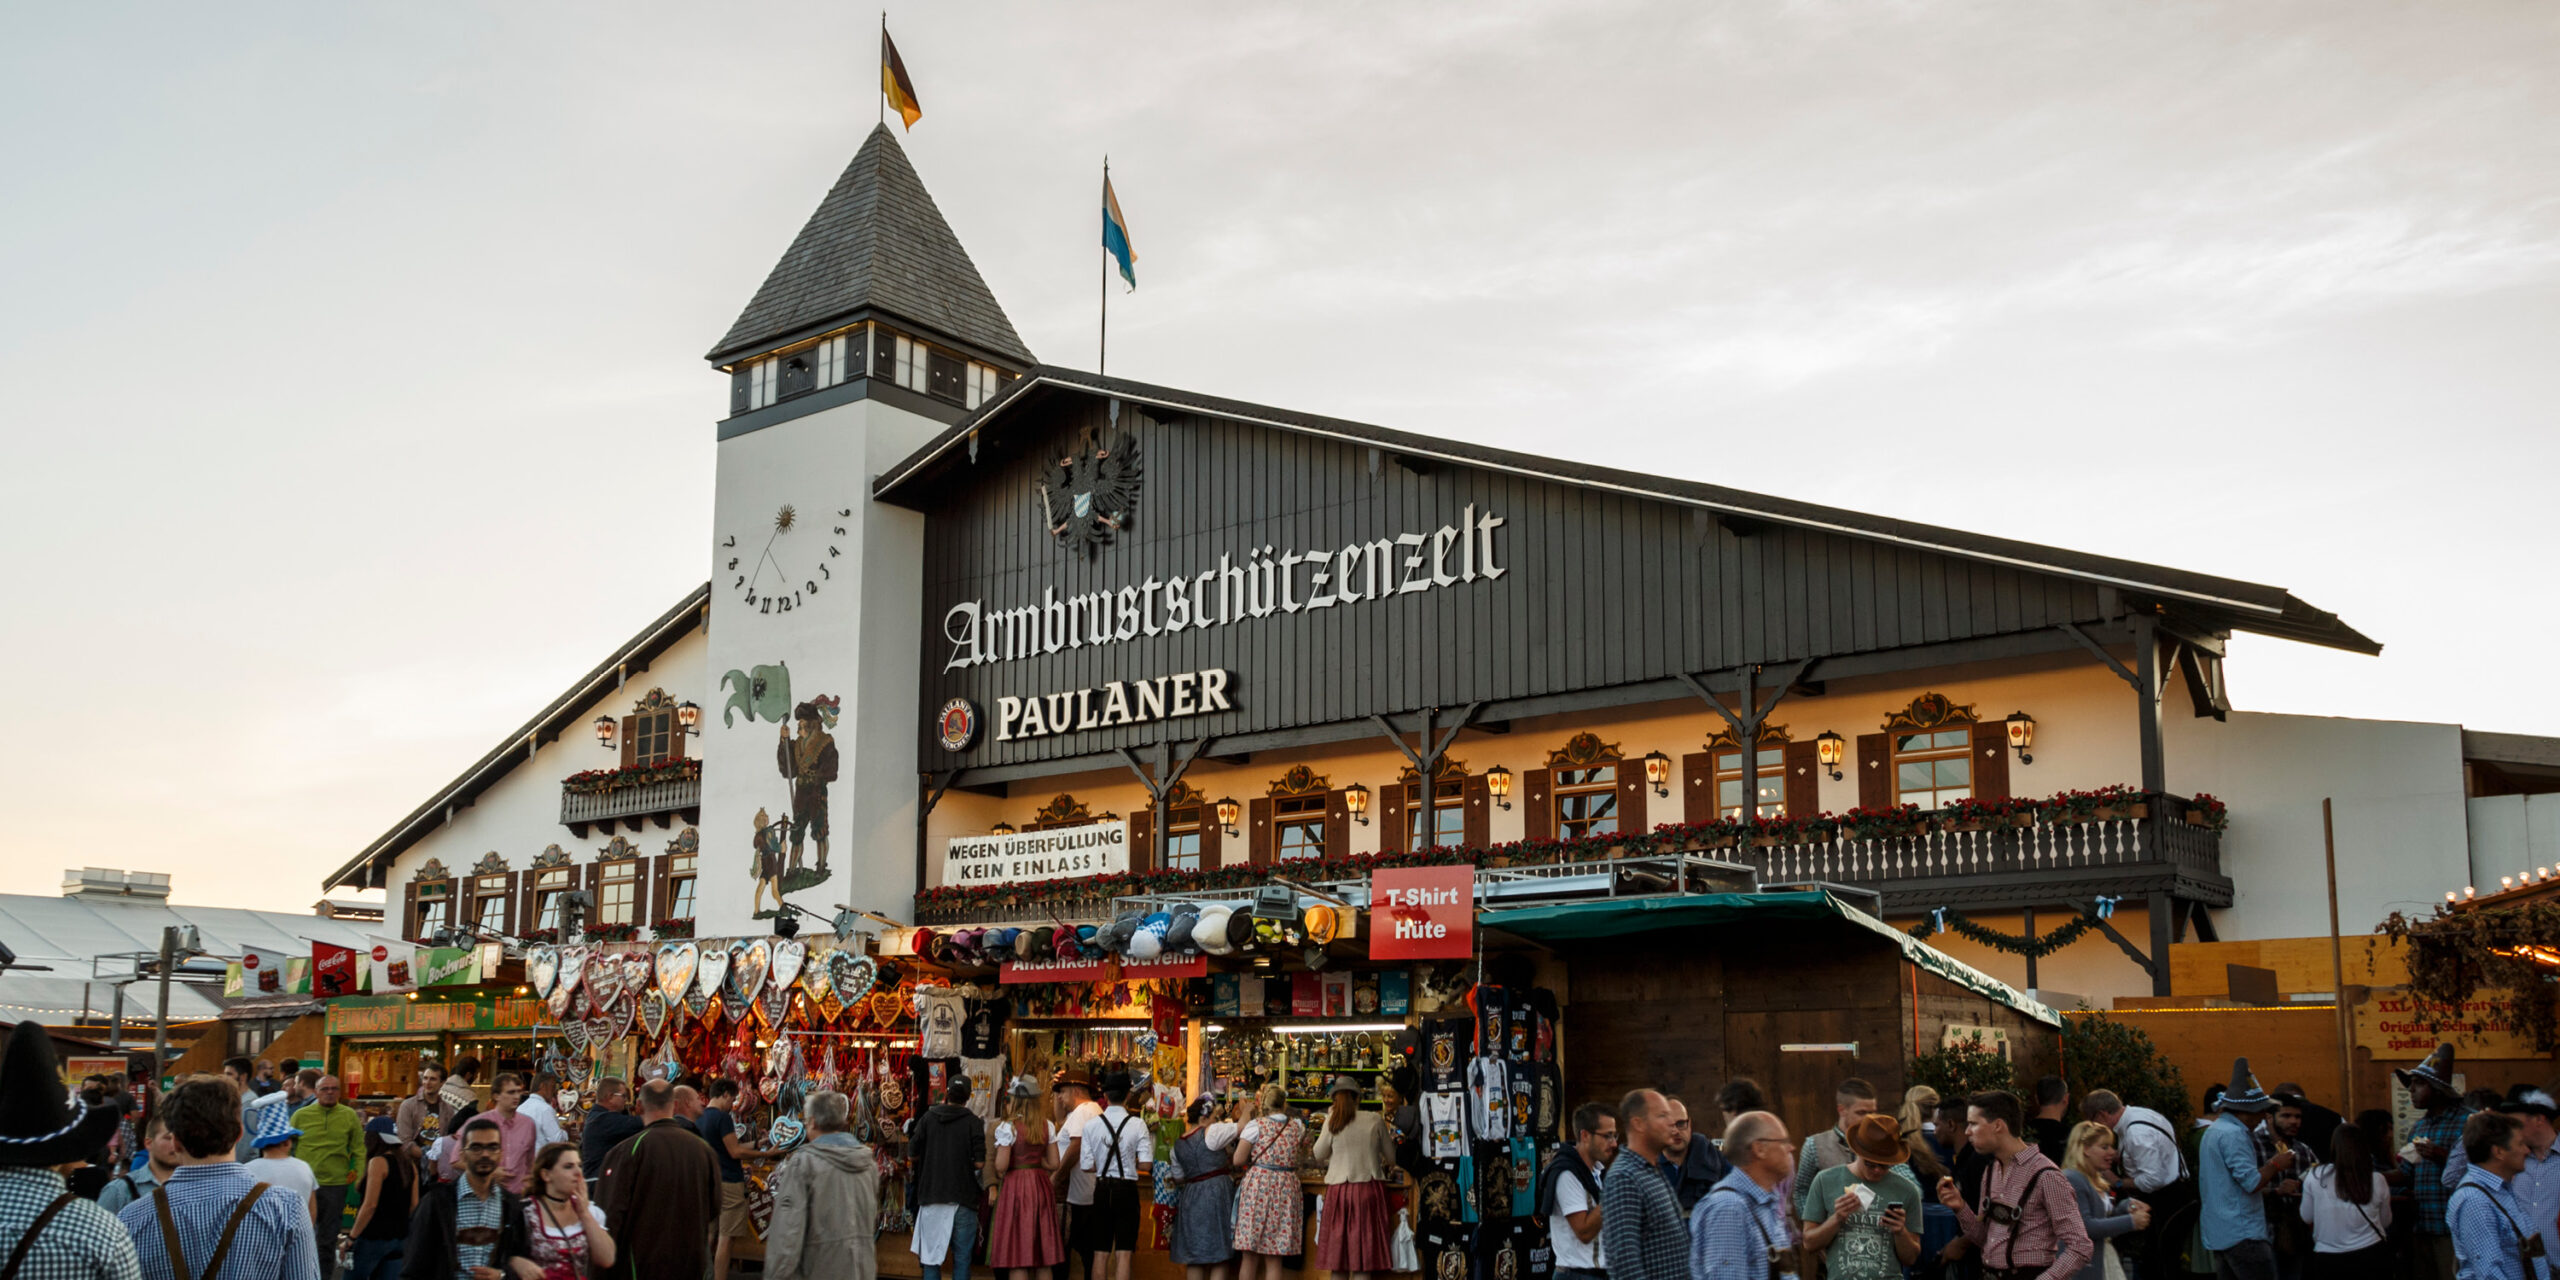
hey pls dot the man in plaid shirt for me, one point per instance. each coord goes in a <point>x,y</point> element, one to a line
<point>1643,1234</point>
<point>2029,1227</point>
<point>42,1126</point>
<point>2437,1136</point>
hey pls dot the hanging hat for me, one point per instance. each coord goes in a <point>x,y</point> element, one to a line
<point>999,942</point>
<point>1023,1086</point>
<point>1186,908</point>
<point>2437,1070</point>
<point>1156,923</point>
<point>40,1122</point>
<point>1037,943</point>
<point>1322,924</point>
<point>2244,1095</point>
<point>1344,1084</point>
<point>1084,936</point>
<point>275,1124</point>
<point>1240,930</point>
<point>1064,942</point>
<point>1178,937</point>
<point>1147,945</point>
<point>922,941</point>
<point>964,944</point>
<point>1878,1138</point>
<point>1211,930</point>
<point>1115,936</point>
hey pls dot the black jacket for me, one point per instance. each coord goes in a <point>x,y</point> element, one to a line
<point>605,1130</point>
<point>950,1145</point>
<point>431,1253</point>
<point>1699,1169</point>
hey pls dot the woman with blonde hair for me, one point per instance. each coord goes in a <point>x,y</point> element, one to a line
<point>2089,1162</point>
<point>1024,1239</point>
<point>1270,1219</point>
<point>1918,1119</point>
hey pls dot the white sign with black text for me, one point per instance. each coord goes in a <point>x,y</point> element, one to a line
<point>1094,849</point>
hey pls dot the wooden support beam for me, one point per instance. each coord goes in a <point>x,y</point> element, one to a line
<point>2090,909</point>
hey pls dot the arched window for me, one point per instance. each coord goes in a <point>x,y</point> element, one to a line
<point>430,900</point>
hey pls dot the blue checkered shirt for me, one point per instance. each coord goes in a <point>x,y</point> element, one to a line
<point>274,1240</point>
<point>2488,1230</point>
<point>1734,1227</point>
<point>2427,1180</point>
<point>471,1209</point>
<point>81,1243</point>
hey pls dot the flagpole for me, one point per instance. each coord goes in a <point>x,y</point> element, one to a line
<point>883,86</point>
<point>1102,353</point>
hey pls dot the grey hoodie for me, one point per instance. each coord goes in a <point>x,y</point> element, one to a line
<point>826,1212</point>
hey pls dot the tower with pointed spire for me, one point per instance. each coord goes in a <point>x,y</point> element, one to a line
<point>872,334</point>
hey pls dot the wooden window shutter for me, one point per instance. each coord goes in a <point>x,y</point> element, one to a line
<point>1697,788</point>
<point>1538,804</point>
<point>1257,832</point>
<point>1804,779</point>
<point>520,896</point>
<point>1212,838</point>
<point>630,741</point>
<point>1875,771</point>
<point>1142,839</point>
<point>675,738</point>
<point>1991,760</point>
<point>594,878</point>
<point>660,895</point>
<point>1633,791</point>
<point>1477,821</point>
<point>409,912</point>
<point>1393,837</point>
<point>1337,825</point>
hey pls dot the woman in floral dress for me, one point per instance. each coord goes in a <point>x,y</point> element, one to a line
<point>566,1233</point>
<point>1270,1209</point>
<point>1024,1237</point>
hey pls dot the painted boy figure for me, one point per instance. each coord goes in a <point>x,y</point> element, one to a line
<point>809,761</point>
<point>768,845</point>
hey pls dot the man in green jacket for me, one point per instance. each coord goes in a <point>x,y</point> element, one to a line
<point>333,1145</point>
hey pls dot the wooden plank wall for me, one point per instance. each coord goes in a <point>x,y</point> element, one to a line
<point>1602,589</point>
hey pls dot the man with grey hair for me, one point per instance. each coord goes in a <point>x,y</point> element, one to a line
<point>1739,1229</point>
<point>826,1201</point>
<point>1643,1235</point>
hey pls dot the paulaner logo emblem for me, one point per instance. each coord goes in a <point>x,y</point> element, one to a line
<point>1087,496</point>
<point>958,724</point>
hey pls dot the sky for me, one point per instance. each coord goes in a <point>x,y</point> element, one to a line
<point>352,399</point>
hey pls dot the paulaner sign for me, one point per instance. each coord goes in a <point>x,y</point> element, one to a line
<point>1191,693</point>
<point>1268,581</point>
<point>1096,849</point>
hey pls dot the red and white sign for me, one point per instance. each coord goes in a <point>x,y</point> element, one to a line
<point>1422,913</point>
<point>1164,967</point>
<point>333,970</point>
<point>1021,971</point>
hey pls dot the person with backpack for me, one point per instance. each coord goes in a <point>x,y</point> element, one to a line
<point>212,1218</point>
<point>47,1232</point>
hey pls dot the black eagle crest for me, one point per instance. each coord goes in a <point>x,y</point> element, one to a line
<point>1087,496</point>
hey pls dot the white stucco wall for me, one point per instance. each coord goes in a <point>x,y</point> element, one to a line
<point>856,639</point>
<point>2510,835</point>
<point>2401,830</point>
<point>520,816</point>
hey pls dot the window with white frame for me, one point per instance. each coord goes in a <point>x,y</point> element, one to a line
<point>620,895</point>
<point>490,892</point>
<point>913,357</point>
<point>984,381</point>
<point>548,885</point>
<point>764,379</point>
<point>1586,800</point>
<point>1933,768</point>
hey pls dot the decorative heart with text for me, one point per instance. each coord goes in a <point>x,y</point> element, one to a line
<point>712,968</point>
<point>886,1006</point>
<point>542,968</point>
<point>852,975</point>
<point>790,957</point>
<point>622,1014</point>
<point>675,969</point>
<point>559,1001</point>
<point>653,1013</point>
<point>775,1005</point>
<point>635,970</point>
<point>604,979</point>
<point>573,967</point>
<point>599,1030</point>
<point>748,966</point>
<point>759,1206</point>
<point>698,1004</point>
<point>576,1034</point>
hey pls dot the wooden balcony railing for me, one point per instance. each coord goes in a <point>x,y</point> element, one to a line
<point>662,802</point>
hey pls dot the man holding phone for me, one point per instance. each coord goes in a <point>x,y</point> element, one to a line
<point>472,1227</point>
<point>1869,1233</point>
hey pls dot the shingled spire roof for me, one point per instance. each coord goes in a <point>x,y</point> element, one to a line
<point>876,242</point>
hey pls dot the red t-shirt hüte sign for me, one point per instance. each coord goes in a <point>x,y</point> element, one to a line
<point>1422,913</point>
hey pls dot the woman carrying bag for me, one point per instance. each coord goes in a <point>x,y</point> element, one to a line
<point>1271,1220</point>
<point>1204,1193</point>
<point>2348,1205</point>
<point>1024,1237</point>
<point>2089,1163</point>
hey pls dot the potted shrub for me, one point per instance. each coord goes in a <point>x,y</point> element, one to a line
<point>671,929</point>
<point>2206,811</point>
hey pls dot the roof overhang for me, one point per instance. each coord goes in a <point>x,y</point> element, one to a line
<point>369,869</point>
<point>2221,603</point>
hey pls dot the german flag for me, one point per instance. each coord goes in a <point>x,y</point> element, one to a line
<point>894,81</point>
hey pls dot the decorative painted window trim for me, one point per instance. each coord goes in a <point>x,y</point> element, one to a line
<point>1927,712</point>
<point>490,864</point>
<point>618,848</point>
<point>1301,780</point>
<point>653,700</point>
<point>686,841</point>
<point>1770,735</point>
<point>433,869</point>
<point>1184,795</point>
<point>1582,751</point>
<point>1062,810</point>
<point>1449,770</point>
<point>553,856</point>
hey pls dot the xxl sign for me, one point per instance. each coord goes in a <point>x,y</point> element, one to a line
<point>1096,849</point>
<point>1267,581</point>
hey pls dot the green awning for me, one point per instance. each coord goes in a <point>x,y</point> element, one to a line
<point>1610,917</point>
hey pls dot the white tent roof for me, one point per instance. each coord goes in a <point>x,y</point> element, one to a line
<point>66,935</point>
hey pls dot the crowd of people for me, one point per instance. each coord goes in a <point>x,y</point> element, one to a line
<point>228,1179</point>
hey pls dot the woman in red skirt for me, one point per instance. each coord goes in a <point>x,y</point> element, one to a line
<point>1024,1238</point>
<point>1354,1235</point>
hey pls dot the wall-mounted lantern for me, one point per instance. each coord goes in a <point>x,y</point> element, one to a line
<point>1831,749</point>
<point>689,717</point>
<point>1228,812</point>
<point>1001,829</point>
<point>1497,783</point>
<point>604,731</point>
<point>1657,770</point>
<point>1356,799</point>
<point>2022,735</point>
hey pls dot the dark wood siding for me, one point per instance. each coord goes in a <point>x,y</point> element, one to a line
<point>1601,588</point>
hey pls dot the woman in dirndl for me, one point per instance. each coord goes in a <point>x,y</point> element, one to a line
<point>1204,1193</point>
<point>1271,1220</point>
<point>1355,1233</point>
<point>1024,1238</point>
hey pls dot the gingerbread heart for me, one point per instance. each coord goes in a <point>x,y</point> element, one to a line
<point>775,1005</point>
<point>653,1013</point>
<point>698,1003</point>
<point>712,968</point>
<point>759,1206</point>
<point>599,1029</point>
<point>559,1001</point>
<point>815,982</point>
<point>886,1006</point>
<point>573,967</point>
<point>790,956</point>
<point>852,975</point>
<point>675,968</point>
<point>604,979</point>
<point>542,969</point>
<point>748,966</point>
<point>635,970</point>
<point>576,1034</point>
